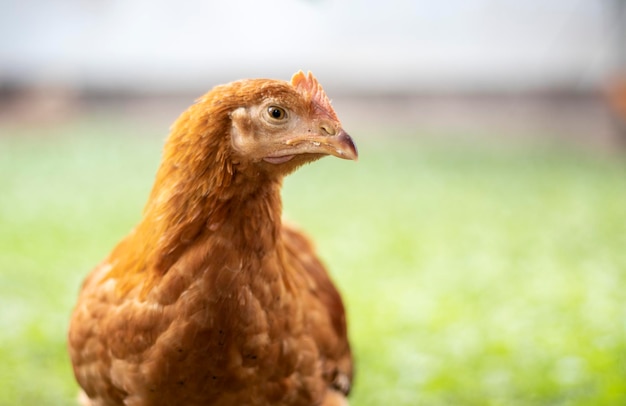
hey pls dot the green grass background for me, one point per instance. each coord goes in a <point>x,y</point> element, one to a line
<point>473,274</point>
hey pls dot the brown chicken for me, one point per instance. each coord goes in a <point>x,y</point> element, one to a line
<point>211,300</point>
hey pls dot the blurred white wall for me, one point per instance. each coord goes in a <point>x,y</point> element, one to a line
<point>395,45</point>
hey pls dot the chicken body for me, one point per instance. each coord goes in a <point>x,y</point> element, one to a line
<point>211,300</point>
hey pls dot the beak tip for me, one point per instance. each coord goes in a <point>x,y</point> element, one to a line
<point>348,148</point>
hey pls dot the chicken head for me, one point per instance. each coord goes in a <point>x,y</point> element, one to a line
<point>288,125</point>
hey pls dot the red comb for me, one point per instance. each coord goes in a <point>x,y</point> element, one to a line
<point>310,88</point>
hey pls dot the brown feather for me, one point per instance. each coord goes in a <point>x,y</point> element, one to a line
<point>211,300</point>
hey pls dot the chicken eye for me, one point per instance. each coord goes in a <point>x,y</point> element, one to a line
<point>276,113</point>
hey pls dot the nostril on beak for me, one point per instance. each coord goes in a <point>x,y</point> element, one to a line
<point>328,129</point>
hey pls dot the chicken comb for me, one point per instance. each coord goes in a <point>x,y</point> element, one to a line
<point>310,88</point>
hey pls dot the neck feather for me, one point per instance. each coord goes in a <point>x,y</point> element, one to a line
<point>198,191</point>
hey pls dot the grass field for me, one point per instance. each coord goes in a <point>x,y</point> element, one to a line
<point>473,275</point>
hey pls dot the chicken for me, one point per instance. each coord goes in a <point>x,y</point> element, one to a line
<point>211,299</point>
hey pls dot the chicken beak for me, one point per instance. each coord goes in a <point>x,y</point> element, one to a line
<point>339,145</point>
<point>342,146</point>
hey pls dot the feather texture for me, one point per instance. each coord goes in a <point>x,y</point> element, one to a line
<point>211,299</point>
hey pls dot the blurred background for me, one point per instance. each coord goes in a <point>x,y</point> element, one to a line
<point>479,241</point>
<point>504,66</point>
